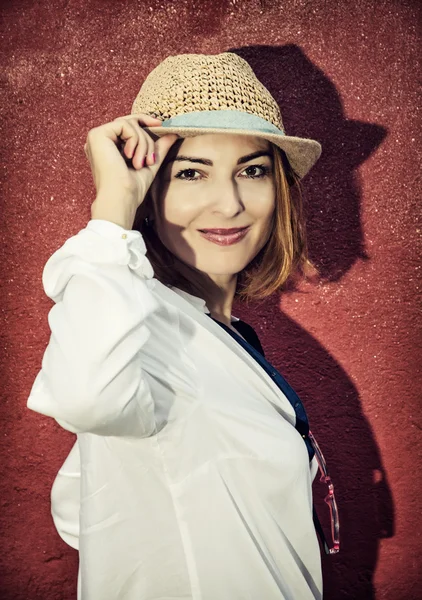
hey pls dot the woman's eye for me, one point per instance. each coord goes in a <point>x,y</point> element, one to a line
<point>265,171</point>
<point>180,173</point>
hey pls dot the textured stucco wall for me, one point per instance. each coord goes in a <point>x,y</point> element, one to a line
<point>345,74</point>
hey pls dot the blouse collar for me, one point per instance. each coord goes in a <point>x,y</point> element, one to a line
<point>197,302</point>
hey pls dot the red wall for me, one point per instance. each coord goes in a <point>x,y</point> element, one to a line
<point>345,74</point>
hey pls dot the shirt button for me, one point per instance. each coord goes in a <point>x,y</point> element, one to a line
<point>124,236</point>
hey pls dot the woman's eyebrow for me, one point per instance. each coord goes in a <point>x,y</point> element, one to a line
<point>206,161</point>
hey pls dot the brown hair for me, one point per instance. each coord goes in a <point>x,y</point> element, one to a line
<point>278,263</point>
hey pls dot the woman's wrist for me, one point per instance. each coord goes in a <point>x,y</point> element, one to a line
<point>122,213</point>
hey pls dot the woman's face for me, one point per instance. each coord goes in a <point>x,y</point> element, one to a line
<point>219,194</point>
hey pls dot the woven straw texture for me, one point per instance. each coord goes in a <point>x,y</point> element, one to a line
<point>199,82</point>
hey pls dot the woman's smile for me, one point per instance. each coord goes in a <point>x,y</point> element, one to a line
<point>224,239</point>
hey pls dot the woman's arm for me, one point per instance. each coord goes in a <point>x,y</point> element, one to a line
<point>91,378</point>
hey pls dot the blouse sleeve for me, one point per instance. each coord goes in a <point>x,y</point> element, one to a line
<point>91,379</point>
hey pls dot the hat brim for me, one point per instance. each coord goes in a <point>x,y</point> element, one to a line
<point>302,153</point>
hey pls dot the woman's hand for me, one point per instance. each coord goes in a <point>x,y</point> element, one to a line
<point>115,152</point>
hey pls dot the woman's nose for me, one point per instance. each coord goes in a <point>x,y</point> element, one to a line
<point>226,199</point>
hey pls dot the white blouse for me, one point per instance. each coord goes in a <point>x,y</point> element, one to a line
<point>188,479</point>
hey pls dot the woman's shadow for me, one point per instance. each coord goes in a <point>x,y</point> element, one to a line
<point>311,107</point>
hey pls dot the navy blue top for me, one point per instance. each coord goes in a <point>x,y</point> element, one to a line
<point>254,347</point>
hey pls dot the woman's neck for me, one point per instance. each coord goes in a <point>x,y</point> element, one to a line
<point>221,301</point>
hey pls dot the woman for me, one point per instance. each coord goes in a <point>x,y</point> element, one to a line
<point>190,477</point>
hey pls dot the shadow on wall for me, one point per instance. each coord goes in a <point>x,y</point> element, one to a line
<point>311,107</point>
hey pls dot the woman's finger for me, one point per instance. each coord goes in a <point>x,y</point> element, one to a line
<point>135,142</point>
<point>144,148</point>
<point>139,119</point>
<point>147,119</point>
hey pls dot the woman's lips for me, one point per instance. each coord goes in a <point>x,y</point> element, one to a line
<point>224,239</point>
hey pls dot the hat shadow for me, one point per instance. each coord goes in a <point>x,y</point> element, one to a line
<point>311,107</point>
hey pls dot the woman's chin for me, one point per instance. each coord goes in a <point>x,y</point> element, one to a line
<point>218,263</point>
<point>224,269</point>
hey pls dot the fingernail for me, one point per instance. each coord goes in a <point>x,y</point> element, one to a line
<point>153,157</point>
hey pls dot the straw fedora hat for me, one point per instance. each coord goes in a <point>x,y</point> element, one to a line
<point>196,94</point>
